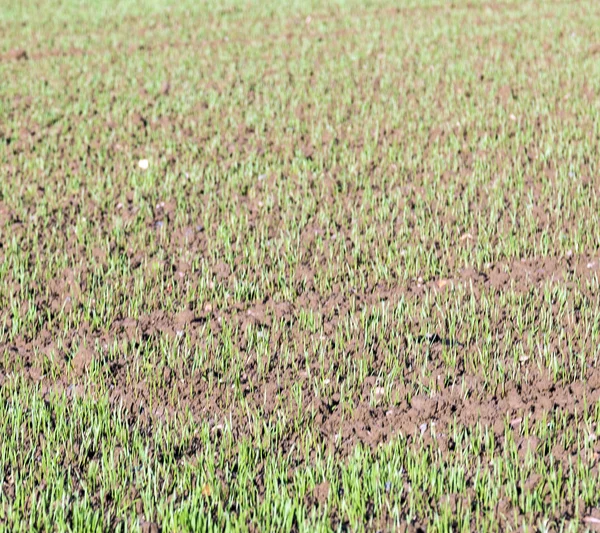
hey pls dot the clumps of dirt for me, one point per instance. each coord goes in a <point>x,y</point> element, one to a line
<point>17,54</point>
<point>520,275</point>
<point>82,360</point>
<point>319,494</point>
<point>594,49</point>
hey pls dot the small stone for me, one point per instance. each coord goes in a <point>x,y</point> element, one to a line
<point>591,520</point>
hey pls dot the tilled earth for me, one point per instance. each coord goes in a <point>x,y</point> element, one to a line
<point>360,228</point>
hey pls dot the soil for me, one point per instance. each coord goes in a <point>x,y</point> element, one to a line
<point>461,394</point>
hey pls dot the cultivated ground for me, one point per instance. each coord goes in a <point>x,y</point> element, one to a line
<point>356,287</point>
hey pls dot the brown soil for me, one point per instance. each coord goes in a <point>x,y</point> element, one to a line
<point>460,394</point>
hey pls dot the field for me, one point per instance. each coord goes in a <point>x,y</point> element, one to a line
<point>301,266</point>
